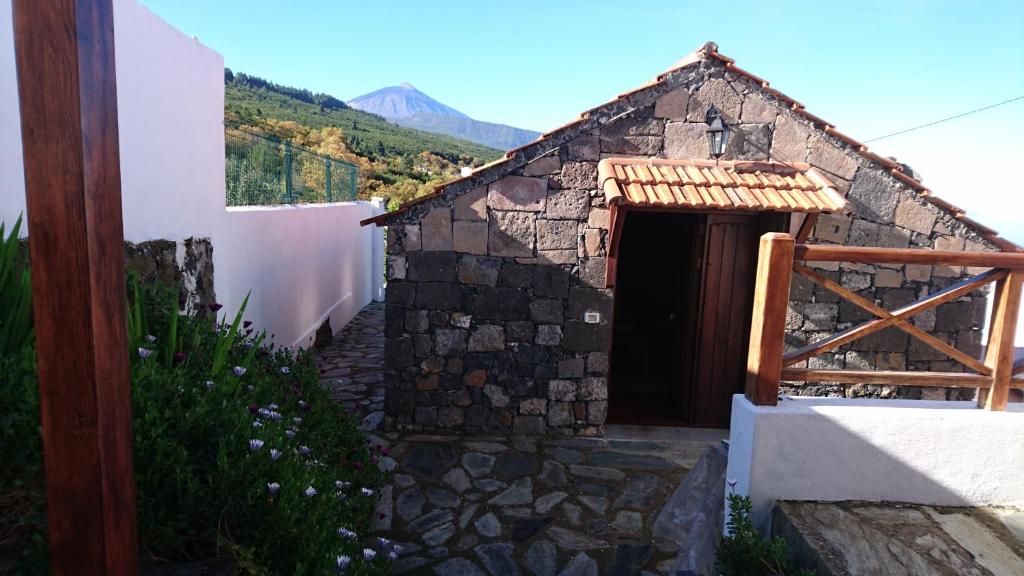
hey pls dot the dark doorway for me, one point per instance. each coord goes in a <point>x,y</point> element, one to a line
<point>683,296</point>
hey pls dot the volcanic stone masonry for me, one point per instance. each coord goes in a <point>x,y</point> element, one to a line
<point>488,283</point>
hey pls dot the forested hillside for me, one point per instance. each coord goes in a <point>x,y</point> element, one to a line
<point>394,162</point>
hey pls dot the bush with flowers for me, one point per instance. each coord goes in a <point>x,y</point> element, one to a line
<point>238,452</point>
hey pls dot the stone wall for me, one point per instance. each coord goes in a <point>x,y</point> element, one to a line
<point>488,283</point>
<point>188,266</point>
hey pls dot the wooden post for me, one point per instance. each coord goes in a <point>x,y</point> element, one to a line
<point>768,321</point>
<point>999,350</point>
<point>68,100</point>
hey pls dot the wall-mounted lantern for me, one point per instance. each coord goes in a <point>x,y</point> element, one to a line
<point>718,132</point>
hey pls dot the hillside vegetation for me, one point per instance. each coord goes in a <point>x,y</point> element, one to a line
<point>395,162</point>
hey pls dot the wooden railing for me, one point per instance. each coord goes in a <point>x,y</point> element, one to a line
<point>780,257</point>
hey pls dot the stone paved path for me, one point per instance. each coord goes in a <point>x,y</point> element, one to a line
<point>514,505</point>
<point>352,365</point>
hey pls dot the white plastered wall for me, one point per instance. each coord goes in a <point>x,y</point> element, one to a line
<point>302,263</point>
<point>834,449</point>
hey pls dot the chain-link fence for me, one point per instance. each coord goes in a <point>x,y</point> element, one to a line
<point>263,170</point>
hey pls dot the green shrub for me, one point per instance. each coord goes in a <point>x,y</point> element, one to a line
<point>229,437</point>
<point>745,552</point>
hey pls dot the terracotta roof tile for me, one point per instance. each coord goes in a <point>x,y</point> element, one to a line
<point>727,185</point>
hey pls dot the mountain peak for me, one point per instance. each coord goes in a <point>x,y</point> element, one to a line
<point>407,86</point>
<point>403,101</point>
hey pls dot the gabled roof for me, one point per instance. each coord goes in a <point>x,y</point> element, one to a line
<point>726,185</point>
<point>621,104</point>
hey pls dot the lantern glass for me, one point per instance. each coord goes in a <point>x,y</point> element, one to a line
<point>718,132</point>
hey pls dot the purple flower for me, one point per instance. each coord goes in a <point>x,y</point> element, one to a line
<point>247,323</point>
<point>215,307</point>
<point>310,492</point>
<point>343,562</point>
<point>289,433</point>
<point>179,357</point>
<point>286,370</point>
<point>275,416</point>
<point>367,492</point>
<point>369,554</point>
<point>304,450</point>
<point>254,409</point>
<point>250,387</point>
<point>273,406</point>
<point>273,487</point>
<point>304,406</point>
<point>392,556</point>
<point>347,534</point>
<point>341,484</point>
<point>275,454</point>
<point>297,420</point>
<point>257,424</point>
<point>239,371</point>
<point>731,482</point>
<point>209,384</point>
<point>145,353</point>
<point>255,444</point>
<point>150,338</point>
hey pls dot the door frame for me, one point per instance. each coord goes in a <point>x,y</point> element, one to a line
<point>617,218</point>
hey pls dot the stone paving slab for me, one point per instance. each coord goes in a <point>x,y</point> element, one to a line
<point>511,505</point>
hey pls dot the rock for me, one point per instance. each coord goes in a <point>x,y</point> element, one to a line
<point>629,522</point>
<point>553,474</point>
<point>497,558</point>
<point>639,492</point>
<point>438,552</point>
<point>488,525</point>
<point>548,335</point>
<point>556,234</point>
<point>543,166</point>
<point>512,465</point>
<point>437,229</point>
<point>443,498</point>
<point>789,142</point>
<point>518,193</point>
<point>830,157</point>
<point>479,270</point>
<point>497,395</point>
<point>567,455</point>
<point>597,504</point>
<point>431,266</point>
<point>477,464</point>
<point>521,492</point>
<point>571,540</point>
<point>511,234</point>
<point>429,520</point>
<point>431,459</point>
<point>540,558</point>
<point>450,342</point>
<point>404,480</point>
<point>439,534</point>
<point>874,196</point>
<point>573,513</point>
<point>517,512</point>
<point>467,515</point>
<point>489,484</point>
<point>586,147</point>
<point>548,501</point>
<point>628,559</point>
<point>489,447</point>
<point>672,106</point>
<point>568,204</point>
<point>466,542</point>
<point>383,514</point>
<point>469,237</point>
<point>472,205</point>
<point>458,567</point>
<point>685,140</point>
<point>596,472</point>
<point>456,478</point>
<point>410,503</point>
<point>487,338</point>
<point>528,528</point>
<point>408,564</point>
<point>624,460</point>
<point>580,565</point>
<point>526,444</point>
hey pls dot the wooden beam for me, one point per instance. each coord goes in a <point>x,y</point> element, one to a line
<point>67,92</point>
<point>870,327</point>
<point>935,379</point>
<point>828,253</point>
<point>904,325</point>
<point>768,320</point>
<point>999,351</point>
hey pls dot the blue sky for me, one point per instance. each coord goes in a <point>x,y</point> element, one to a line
<point>868,67</point>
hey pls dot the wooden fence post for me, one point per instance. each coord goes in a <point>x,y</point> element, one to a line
<point>64,51</point>
<point>1000,348</point>
<point>768,321</point>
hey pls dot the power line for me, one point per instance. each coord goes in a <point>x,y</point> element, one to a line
<point>1021,97</point>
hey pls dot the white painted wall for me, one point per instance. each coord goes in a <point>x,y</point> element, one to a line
<point>302,263</point>
<point>833,449</point>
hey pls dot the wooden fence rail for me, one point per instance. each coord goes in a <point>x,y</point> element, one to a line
<point>780,257</point>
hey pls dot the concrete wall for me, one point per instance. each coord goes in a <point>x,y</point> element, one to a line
<point>302,263</point>
<point>833,449</point>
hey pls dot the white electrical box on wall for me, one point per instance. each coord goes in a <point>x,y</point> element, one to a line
<point>591,317</point>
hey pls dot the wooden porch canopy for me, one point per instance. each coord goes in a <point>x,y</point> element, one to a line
<point>710,185</point>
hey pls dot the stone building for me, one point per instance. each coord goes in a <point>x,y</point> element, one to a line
<point>604,272</point>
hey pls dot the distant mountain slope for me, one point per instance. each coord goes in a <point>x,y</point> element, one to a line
<point>407,106</point>
<point>395,102</point>
<point>367,134</point>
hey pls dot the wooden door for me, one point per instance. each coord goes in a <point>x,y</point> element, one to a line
<point>723,320</point>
